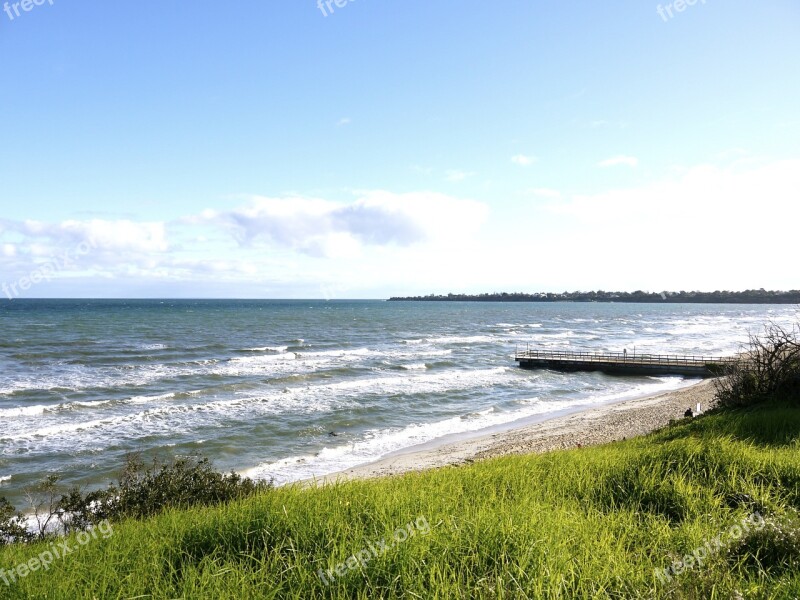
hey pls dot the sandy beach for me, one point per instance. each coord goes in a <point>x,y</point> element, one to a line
<point>598,425</point>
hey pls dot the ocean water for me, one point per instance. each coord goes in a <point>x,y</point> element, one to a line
<point>259,386</point>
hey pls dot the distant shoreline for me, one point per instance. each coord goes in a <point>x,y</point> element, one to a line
<point>639,297</point>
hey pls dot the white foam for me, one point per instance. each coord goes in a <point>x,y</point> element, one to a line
<point>459,339</point>
<point>417,383</point>
<point>23,411</point>
<point>149,399</point>
<point>56,430</point>
<point>376,444</point>
<point>337,353</point>
<point>131,426</point>
<point>414,367</point>
<point>78,377</point>
<point>257,360</point>
<point>554,336</point>
<point>400,354</point>
<point>82,377</point>
<point>86,404</point>
<point>68,406</point>
<point>40,410</point>
<point>316,399</point>
<point>268,349</point>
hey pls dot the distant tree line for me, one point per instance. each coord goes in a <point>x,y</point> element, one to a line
<point>761,296</point>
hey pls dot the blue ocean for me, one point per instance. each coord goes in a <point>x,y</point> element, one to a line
<point>288,390</point>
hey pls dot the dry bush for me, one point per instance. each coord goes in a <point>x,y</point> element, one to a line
<point>768,368</point>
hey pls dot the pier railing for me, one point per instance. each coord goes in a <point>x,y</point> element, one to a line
<point>622,357</point>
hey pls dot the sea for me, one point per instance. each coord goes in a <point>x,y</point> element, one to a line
<point>289,390</point>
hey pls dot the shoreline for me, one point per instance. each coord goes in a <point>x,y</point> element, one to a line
<point>594,426</point>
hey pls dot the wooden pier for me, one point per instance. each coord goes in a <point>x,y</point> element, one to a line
<point>622,363</point>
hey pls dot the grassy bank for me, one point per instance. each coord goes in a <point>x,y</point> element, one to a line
<point>585,523</point>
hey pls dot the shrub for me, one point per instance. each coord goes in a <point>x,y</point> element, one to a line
<point>145,491</point>
<point>769,368</point>
<point>142,491</point>
<point>12,525</point>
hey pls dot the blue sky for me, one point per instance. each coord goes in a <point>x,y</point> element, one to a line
<point>263,149</point>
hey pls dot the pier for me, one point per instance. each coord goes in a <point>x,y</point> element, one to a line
<point>622,363</point>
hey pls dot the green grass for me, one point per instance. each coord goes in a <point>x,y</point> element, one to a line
<point>583,523</point>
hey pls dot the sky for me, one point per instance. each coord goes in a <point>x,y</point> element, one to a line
<point>370,148</point>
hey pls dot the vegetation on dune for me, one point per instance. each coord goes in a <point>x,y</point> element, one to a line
<point>605,522</point>
<point>769,368</point>
<point>706,508</point>
<point>142,491</point>
<point>12,524</point>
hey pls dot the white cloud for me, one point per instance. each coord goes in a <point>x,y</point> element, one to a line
<point>708,227</point>
<point>523,160</point>
<point>621,160</point>
<point>91,250</point>
<point>372,238</point>
<point>344,121</point>
<point>109,235</point>
<point>320,227</point>
<point>701,227</point>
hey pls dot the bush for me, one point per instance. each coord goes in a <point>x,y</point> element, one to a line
<point>769,368</point>
<point>12,525</point>
<point>142,491</point>
<point>145,491</point>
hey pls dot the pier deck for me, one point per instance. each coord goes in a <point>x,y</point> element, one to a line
<point>623,364</point>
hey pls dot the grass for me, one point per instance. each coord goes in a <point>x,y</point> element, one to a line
<point>584,523</point>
